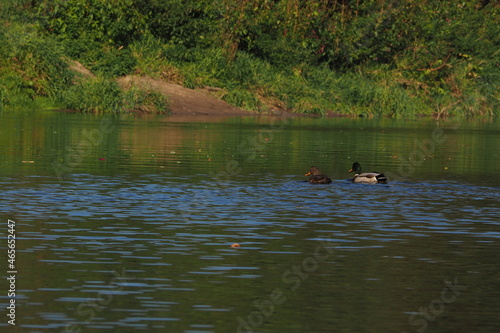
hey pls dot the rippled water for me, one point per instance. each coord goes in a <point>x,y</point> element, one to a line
<point>137,235</point>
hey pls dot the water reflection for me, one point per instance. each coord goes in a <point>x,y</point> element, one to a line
<point>138,235</point>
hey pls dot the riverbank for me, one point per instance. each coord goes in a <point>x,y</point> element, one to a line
<point>358,60</point>
<point>202,101</point>
<point>186,101</point>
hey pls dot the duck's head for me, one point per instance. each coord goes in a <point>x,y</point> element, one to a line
<point>313,171</point>
<point>356,167</point>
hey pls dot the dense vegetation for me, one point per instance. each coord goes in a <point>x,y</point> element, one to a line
<point>358,57</point>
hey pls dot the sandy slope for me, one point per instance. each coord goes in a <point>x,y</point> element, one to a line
<point>184,100</point>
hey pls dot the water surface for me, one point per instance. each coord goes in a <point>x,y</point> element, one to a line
<point>126,223</point>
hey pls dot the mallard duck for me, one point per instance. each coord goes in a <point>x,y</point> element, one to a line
<point>316,177</point>
<point>367,177</point>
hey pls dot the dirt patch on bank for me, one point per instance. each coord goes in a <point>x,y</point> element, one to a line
<point>184,101</point>
<point>203,102</point>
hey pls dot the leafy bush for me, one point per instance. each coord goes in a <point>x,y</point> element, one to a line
<point>33,71</point>
<point>108,22</point>
<point>104,60</point>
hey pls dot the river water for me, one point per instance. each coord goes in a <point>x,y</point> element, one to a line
<point>126,223</point>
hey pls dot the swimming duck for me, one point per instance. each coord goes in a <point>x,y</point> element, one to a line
<point>367,177</point>
<point>316,177</point>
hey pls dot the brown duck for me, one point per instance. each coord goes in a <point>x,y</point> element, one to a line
<point>316,177</point>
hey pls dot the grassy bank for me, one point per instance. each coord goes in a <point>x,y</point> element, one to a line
<point>37,74</point>
<point>370,58</point>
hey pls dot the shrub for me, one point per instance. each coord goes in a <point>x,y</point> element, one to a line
<point>37,61</point>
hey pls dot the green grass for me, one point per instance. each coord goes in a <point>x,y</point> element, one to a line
<point>102,95</point>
